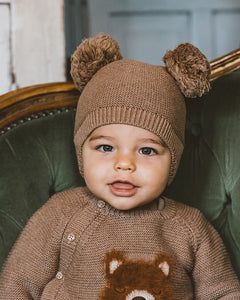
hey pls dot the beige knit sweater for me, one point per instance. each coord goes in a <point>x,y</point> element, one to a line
<point>75,246</point>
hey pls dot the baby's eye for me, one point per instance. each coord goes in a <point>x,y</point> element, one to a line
<point>105,148</point>
<point>147,151</point>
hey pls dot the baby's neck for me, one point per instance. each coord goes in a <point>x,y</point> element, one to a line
<point>157,204</point>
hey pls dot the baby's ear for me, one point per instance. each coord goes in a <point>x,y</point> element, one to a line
<point>90,56</point>
<point>164,263</point>
<point>190,68</point>
<point>113,260</point>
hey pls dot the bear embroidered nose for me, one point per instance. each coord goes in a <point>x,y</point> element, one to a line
<point>139,298</point>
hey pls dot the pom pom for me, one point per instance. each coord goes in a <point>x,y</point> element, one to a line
<point>91,55</point>
<point>190,68</point>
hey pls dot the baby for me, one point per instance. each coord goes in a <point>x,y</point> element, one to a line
<point>119,237</point>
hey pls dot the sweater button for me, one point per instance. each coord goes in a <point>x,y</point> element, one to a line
<point>59,275</point>
<point>101,204</point>
<point>71,237</point>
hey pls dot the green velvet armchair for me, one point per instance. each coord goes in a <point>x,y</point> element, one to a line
<point>37,157</point>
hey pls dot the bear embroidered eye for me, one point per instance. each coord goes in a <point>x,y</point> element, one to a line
<point>120,290</point>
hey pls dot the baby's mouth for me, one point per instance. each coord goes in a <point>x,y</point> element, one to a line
<point>123,185</point>
<point>123,188</point>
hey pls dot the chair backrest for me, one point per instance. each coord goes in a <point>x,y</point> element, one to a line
<point>37,155</point>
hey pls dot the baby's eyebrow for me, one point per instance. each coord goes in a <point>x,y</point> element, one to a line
<point>153,141</point>
<point>98,137</point>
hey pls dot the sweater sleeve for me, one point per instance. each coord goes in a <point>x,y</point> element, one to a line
<point>213,275</point>
<point>33,261</point>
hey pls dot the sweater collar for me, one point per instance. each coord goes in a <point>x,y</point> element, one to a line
<point>166,209</point>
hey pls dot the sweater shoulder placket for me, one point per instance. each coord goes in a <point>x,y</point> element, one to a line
<point>77,232</point>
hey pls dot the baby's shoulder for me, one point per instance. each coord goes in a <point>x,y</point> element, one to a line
<point>67,202</point>
<point>188,215</point>
<point>194,221</point>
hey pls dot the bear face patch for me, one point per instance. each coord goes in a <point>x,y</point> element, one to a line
<point>137,280</point>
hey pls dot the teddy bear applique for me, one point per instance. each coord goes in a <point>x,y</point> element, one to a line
<point>137,279</point>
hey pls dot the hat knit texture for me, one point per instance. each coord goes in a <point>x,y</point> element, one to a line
<point>128,92</point>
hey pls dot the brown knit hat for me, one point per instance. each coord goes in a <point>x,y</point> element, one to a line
<point>117,91</point>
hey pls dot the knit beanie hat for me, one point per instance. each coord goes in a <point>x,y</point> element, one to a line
<point>118,91</point>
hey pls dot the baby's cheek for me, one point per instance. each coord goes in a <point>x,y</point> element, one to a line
<point>95,173</point>
<point>156,179</point>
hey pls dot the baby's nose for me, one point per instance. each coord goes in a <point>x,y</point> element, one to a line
<point>125,163</point>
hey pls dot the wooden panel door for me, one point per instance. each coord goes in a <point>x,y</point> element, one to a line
<point>32,45</point>
<point>146,29</point>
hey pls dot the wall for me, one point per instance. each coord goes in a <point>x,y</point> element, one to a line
<point>34,37</point>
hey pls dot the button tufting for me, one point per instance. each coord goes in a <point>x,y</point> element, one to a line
<point>101,204</point>
<point>196,129</point>
<point>71,237</point>
<point>59,275</point>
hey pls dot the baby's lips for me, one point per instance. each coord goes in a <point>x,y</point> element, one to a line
<point>123,189</point>
<point>123,185</point>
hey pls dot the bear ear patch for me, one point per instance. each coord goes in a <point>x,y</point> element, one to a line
<point>165,263</point>
<point>164,266</point>
<point>113,265</point>
<point>113,260</point>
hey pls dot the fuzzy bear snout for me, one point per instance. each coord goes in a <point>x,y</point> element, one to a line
<point>140,295</point>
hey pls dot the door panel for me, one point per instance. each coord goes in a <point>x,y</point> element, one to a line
<point>146,29</point>
<point>226,24</point>
<point>5,48</point>
<point>144,35</point>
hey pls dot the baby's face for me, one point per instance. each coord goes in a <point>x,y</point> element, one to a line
<point>125,166</point>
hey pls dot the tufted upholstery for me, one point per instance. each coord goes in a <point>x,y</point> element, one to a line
<point>209,174</point>
<point>38,159</point>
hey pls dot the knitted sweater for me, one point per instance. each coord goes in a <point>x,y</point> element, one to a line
<point>75,246</point>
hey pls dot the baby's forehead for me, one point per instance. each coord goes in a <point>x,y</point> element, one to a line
<point>125,131</point>
<point>119,128</point>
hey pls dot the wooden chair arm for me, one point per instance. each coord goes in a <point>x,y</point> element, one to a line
<point>225,64</point>
<point>19,104</point>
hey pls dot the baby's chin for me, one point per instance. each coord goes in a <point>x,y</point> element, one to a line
<point>124,207</point>
<point>121,206</point>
